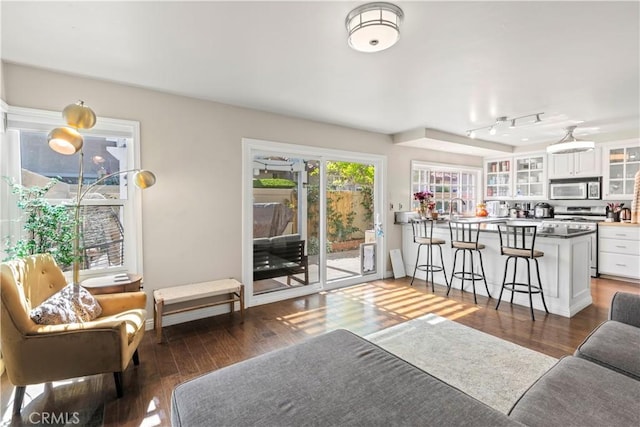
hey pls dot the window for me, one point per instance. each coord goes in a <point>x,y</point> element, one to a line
<point>446,182</point>
<point>110,237</point>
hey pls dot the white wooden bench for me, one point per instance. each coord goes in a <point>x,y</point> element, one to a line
<point>178,299</point>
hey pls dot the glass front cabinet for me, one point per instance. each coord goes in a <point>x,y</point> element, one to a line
<point>498,178</point>
<point>520,177</point>
<point>621,162</point>
<point>530,181</point>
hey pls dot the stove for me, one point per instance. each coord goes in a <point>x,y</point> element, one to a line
<point>581,213</point>
<point>570,219</point>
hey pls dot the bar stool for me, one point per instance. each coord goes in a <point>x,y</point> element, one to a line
<point>464,237</point>
<point>423,236</point>
<point>518,242</point>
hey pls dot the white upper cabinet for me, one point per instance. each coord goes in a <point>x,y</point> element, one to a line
<point>531,177</point>
<point>575,165</point>
<point>498,178</point>
<point>621,161</point>
<point>522,177</point>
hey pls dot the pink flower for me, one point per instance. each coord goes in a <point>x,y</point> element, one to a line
<point>422,195</point>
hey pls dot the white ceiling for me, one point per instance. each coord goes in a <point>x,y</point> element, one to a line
<point>457,66</point>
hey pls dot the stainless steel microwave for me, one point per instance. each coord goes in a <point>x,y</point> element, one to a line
<point>575,189</point>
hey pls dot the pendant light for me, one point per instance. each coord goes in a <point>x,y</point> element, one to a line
<point>67,140</point>
<point>569,144</point>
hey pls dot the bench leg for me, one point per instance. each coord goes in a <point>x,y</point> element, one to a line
<point>157,321</point>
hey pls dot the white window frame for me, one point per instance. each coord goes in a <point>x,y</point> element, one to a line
<point>18,118</point>
<point>445,167</point>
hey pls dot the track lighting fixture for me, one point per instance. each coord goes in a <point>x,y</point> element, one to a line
<point>493,129</point>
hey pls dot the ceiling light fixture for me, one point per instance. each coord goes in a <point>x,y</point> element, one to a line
<point>493,128</point>
<point>569,144</point>
<point>373,27</point>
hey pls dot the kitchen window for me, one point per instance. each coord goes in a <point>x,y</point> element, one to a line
<point>446,182</point>
<point>110,228</point>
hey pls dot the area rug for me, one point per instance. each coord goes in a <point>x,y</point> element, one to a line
<point>490,369</point>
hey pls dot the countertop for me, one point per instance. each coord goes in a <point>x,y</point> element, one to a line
<point>490,225</point>
<point>618,224</point>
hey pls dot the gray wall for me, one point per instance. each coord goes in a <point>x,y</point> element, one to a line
<point>191,226</point>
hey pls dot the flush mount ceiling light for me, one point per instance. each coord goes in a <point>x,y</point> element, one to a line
<point>374,27</point>
<point>493,129</point>
<point>569,144</point>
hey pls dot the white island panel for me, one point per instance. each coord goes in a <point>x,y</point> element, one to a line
<point>564,269</point>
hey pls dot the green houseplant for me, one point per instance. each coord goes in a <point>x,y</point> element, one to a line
<point>48,228</point>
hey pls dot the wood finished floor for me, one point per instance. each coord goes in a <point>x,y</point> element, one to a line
<point>191,349</point>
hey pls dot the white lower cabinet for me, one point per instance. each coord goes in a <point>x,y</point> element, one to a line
<point>619,250</point>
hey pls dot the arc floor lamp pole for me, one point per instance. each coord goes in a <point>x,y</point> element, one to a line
<point>68,141</point>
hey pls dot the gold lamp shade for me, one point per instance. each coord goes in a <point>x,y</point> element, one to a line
<point>65,140</point>
<point>79,116</point>
<point>144,179</point>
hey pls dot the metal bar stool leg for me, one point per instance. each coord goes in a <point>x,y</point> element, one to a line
<point>515,268</point>
<point>464,268</point>
<point>453,270</point>
<point>504,280</point>
<point>444,272</point>
<point>540,285</point>
<point>429,267</point>
<point>416,267</point>
<point>484,276</point>
<point>529,283</point>
<point>473,278</point>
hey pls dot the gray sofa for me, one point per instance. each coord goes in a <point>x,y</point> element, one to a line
<point>600,384</point>
<point>342,379</point>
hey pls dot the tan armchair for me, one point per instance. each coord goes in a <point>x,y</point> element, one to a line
<point>36,354</point>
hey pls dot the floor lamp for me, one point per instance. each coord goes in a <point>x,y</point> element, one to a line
<point>68,141</point>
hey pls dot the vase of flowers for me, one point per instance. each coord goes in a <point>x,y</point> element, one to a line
<point>426,203</point>
<point>613,211</point>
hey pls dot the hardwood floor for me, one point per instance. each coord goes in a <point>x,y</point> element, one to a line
<point>191,349</point>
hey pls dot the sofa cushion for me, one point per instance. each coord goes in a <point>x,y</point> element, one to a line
<point>576,392</point>
<point>336,379</point>
<point>67,306</point>
<point>614,345</point>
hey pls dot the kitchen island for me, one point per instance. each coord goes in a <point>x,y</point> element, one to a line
<point>564,268</point>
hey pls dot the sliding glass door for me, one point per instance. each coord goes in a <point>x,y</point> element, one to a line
<point>349,219</point>
<point>285,241</point>
<point>312,221</point>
